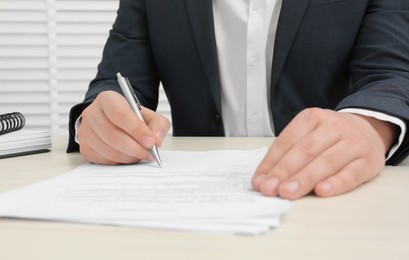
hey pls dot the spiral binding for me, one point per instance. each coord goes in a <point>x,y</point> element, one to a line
<point>11,122</point>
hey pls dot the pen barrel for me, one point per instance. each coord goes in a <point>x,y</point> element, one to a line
<point>130,97</point>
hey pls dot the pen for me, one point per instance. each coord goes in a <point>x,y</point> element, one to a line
<point>136,107</point>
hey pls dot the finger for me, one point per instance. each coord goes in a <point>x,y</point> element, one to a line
<point>118,140</point>
<point>303,124</point>
<point>119,112</point>
<point>96,150</point>
<point>159,124</point>
<point>302,153</point>
<point>92,156</point>
<point>347,179</point>
<point>328,163</point>
<point>101,154</point>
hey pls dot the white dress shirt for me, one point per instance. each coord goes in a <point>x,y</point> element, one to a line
<point>245,34</point>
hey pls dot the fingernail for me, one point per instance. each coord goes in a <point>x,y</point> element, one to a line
<point>292,186</point>
<point>270,186</point>
<point>148,141</point>
<point>159,135</point>
<point>327,186</point>
<point>257,181</point>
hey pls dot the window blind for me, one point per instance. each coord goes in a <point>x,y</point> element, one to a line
<point>24,71</point>
<point>49,52</point>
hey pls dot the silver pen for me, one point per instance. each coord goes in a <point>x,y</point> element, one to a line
<point>136,107</point>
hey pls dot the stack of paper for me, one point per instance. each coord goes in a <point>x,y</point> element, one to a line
<point>196,191</point>
<point>23,142</point>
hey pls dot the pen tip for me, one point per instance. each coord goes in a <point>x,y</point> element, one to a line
<point>118,75</point>
<point>155,154</point>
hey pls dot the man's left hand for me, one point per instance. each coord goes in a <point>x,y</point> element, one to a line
<point>324,151</point>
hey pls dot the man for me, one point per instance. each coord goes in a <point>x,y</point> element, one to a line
<point>330,78</point>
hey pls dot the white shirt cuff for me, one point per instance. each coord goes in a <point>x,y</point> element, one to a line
<point>76,126</point>
<point>383,117</point>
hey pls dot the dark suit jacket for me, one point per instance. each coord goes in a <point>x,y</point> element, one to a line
<point>328,53</point>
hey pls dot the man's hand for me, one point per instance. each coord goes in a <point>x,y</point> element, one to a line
<point>111,132</point>
<point>326,152</point>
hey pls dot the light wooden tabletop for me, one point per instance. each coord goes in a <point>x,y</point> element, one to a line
<point>368,223</point>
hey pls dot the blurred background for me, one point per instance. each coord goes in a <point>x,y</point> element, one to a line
<point>49,52</point>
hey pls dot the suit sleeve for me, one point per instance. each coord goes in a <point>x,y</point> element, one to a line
<point>380,65</point>
<point>128,51</point>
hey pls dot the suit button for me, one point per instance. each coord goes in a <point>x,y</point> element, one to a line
<point>217,118</point>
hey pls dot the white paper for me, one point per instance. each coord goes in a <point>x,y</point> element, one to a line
<point>201,191</point>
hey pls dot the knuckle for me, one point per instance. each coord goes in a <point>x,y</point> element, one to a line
<point>352,179</point>
<point>308,179</point>
<point>167,122</point>
<point>163,123</point>
<point>282,172</point>
<point>313,113</point>
<point>307,148</point>
<point>329,161</point>
<point>103,96</point>
<point>86,114</point>
<point>263,168</point>
<point>284,142</point>
<point>117,113</point>
<point>137,129</point>
<point>373,166</point>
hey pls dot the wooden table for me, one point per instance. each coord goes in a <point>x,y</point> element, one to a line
<point>368,223</point>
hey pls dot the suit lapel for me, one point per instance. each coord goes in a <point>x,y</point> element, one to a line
<point>200,13</point>
<point>291,15</point>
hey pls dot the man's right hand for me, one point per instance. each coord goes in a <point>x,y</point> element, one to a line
<point>111,132</point>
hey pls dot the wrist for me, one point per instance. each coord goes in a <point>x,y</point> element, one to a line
<point>387,131</point>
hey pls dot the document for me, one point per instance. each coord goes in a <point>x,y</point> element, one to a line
<point>197,191</point>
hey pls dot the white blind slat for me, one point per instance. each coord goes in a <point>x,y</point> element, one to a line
<point>22,63</point>
<point>81,40</point>
<point>73,85</point>
<point>23,27</point>
<point>85,17</point>
<point>79,63</point>
<point>22,16</point>
<point>23,86</point>
<point>79,52</point>
<point>28,51</point>
<point>23,39</point>
<point>24,74</point>
<point>89,28</point>
<point>87,5</point>
<point>39,5</point>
